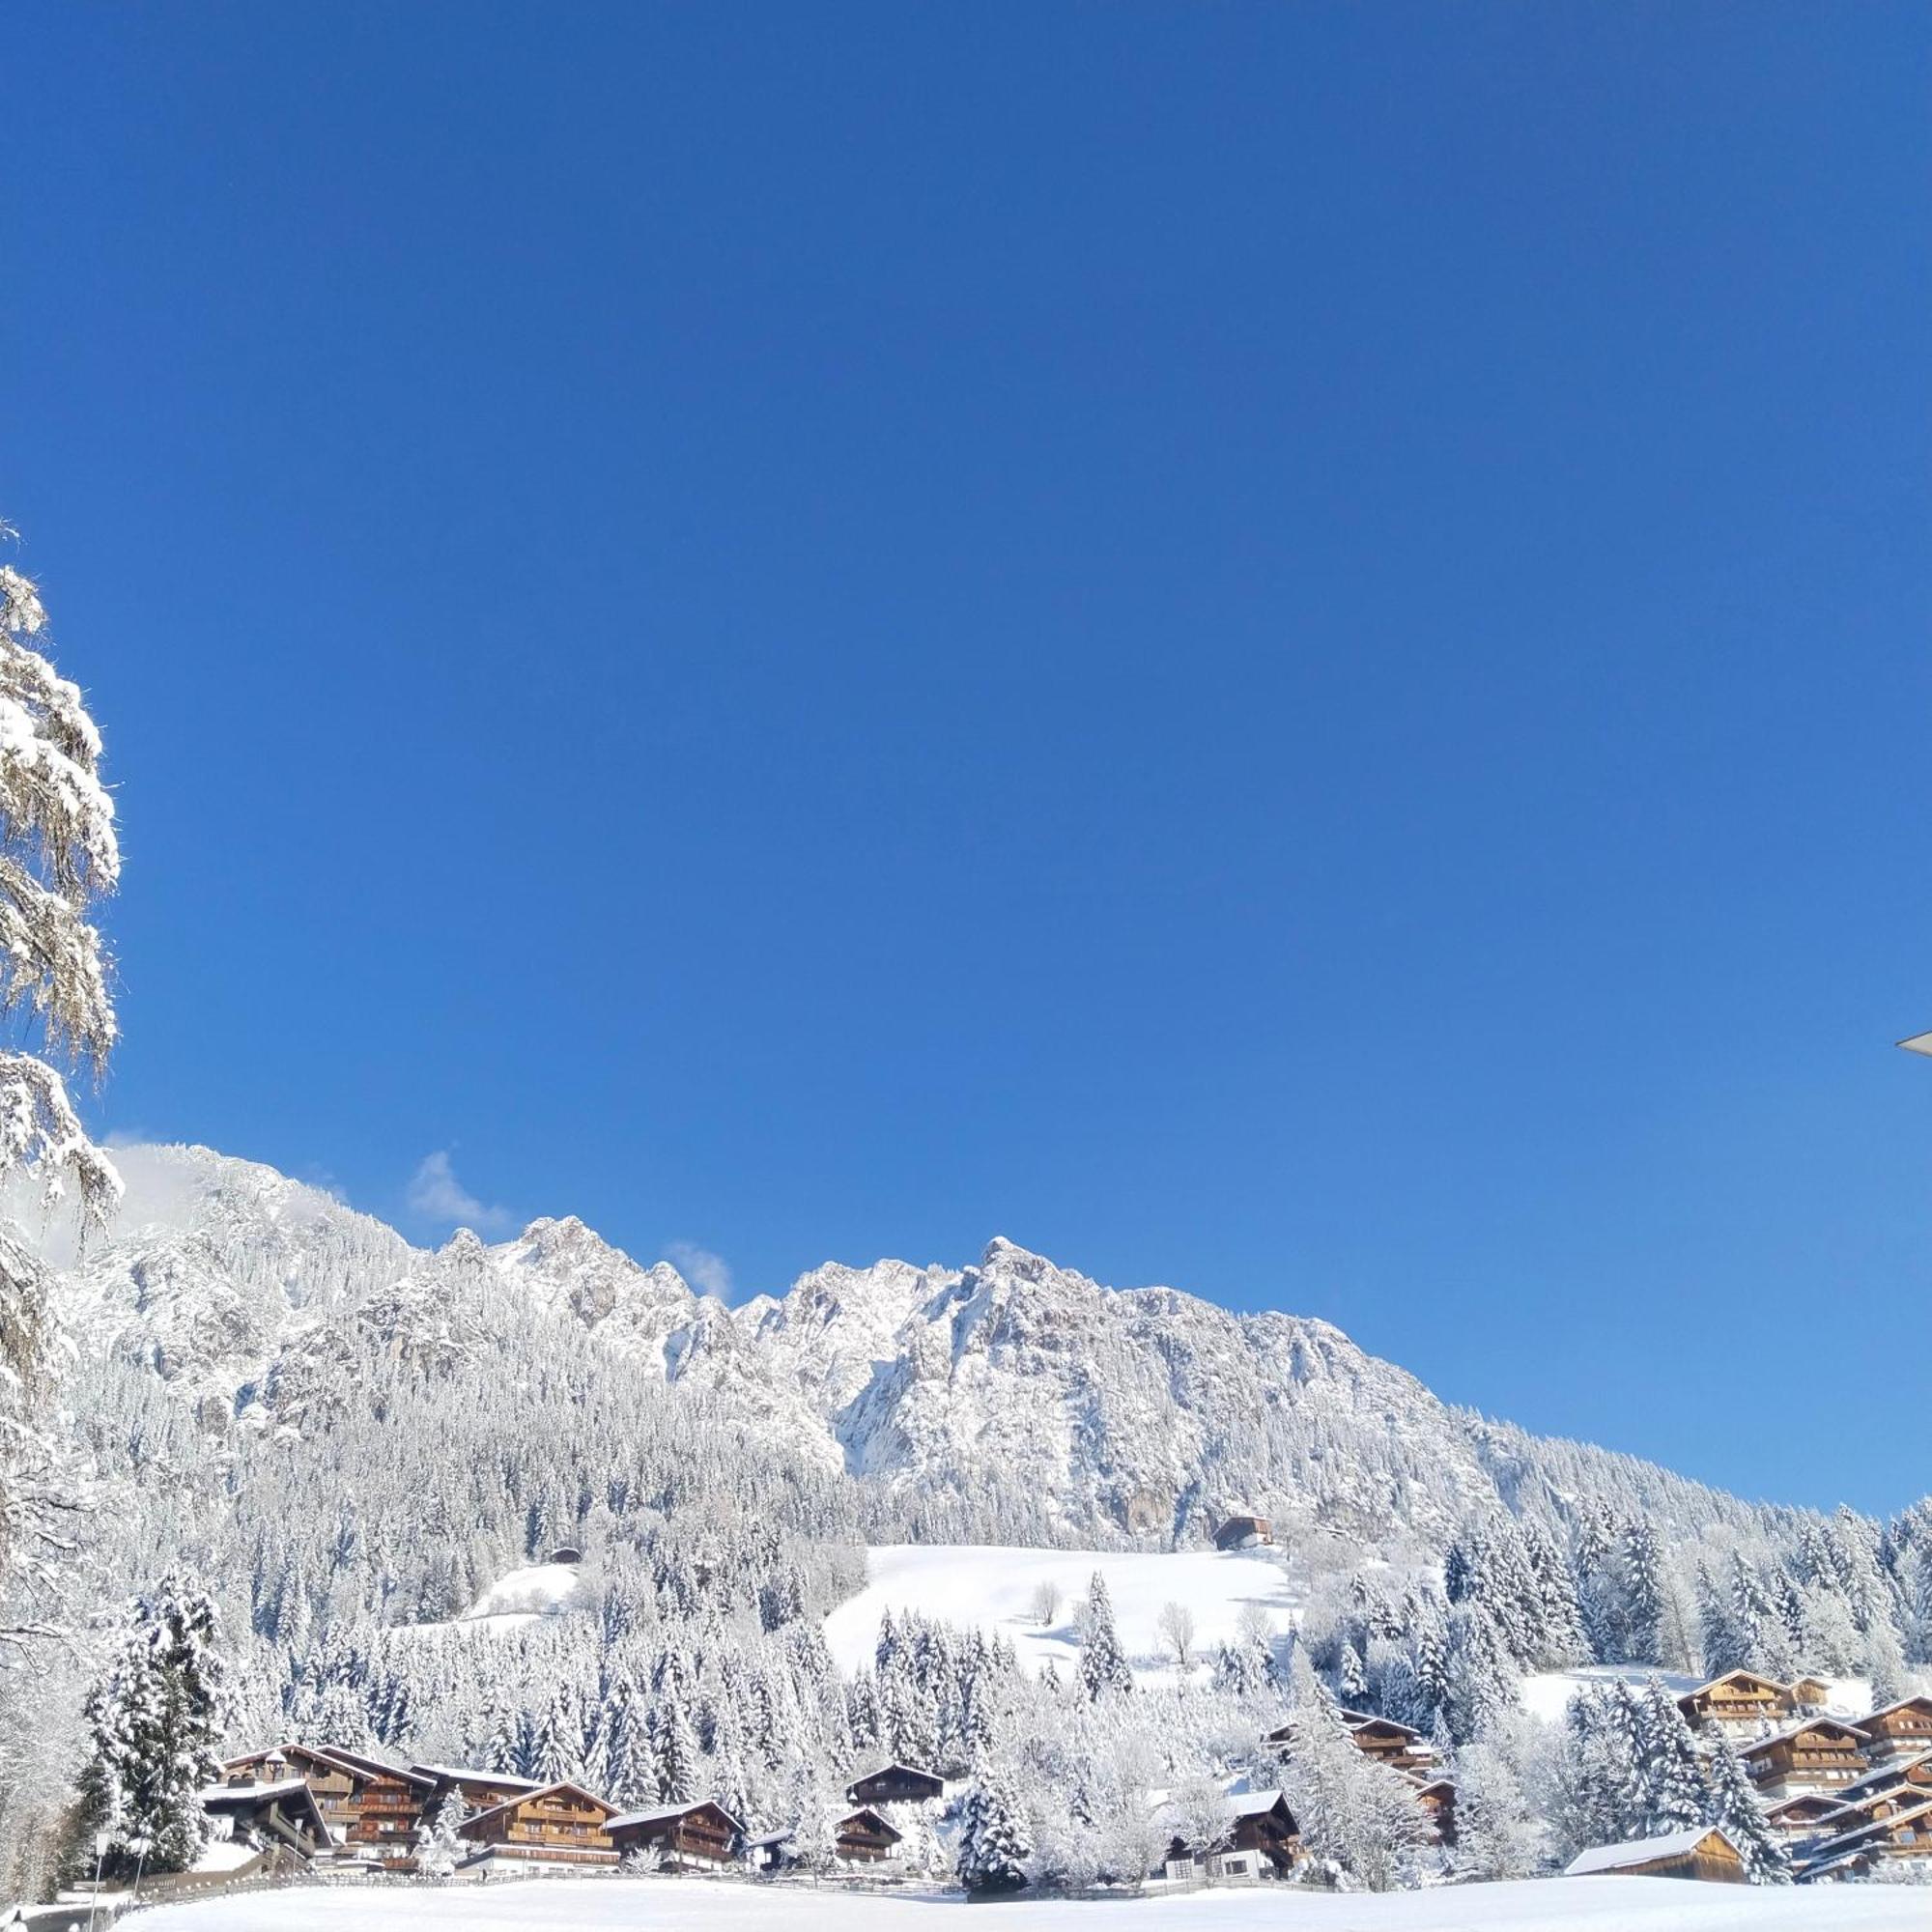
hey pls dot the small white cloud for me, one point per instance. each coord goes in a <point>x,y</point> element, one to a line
<point>436,1195</point>
<point>708,1273</point>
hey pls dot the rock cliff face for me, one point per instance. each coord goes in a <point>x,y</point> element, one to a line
<point>1011,1389</point>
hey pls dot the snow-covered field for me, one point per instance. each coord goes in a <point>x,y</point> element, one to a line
<point>694,1905</point>
<point>994,1588</point>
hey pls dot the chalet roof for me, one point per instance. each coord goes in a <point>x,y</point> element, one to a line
<point>1255,1803</point>
<point>1642,1851</point>
<point>1736,1677</point>
<point>663,1815</point>
<point>1752,1747</point>
<point>1368,1723</point>
<point>457,1773</point>
<point>1894,1773</point>
<point>254,1794</point>
<point>1808,1801</point>
<point>1919,1703</point>
<point>381,1763</point>
<point>913,1770</point>
<point>1447,1784</point>
<point>541,1791</point>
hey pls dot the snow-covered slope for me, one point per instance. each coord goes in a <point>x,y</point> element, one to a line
<point>995,1589</point>
<point>701,1905</point>
<point>1012,1393</point>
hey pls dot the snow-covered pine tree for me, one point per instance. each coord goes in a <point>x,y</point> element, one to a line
<point>441,1847</point>
<point>993,1850</point>
<point>1670,1768</point>
<point>1733,1804</point>
<point>1103,1665</point>
<point>58,854</point>
<point>155,1720</point>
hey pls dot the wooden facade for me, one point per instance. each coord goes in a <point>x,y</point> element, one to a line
<point>1701,1852</point>
<point>480,1790</point>
<point>689,1837</point>
<point>895,1784</point>
<point>1394,1744</point>
<point>1805,1817</point>
<point>865,1838</point>
<point>1903,1831</point>
<point>370,1806</point>
<point>1740,1698</point>
<point>554,1824</point>
<point>1264,1826</point>
<point>1900,1730</point>
<point>1816,1754</point>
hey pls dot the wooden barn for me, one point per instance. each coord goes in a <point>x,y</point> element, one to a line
<point>1815,1754</point>
<point>895,1784</point>
<point>1900,1730</point>
<point>1739,1699</point>
<point>1263,1828</point>
<point>552,1825</point>
<point>1702,1852</point>
<point>688,1838</point>
<point>1243,1532</point>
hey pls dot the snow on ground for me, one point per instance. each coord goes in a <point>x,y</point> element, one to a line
<point>517,1598</point>
<point>993,1589</point>
<point>698,1905</point>
<point>1546,1694</point>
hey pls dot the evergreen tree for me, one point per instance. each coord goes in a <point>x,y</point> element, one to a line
<point>1672,1772</point>
<point>1733,1805</point>
<point>154,1722</point>
<point>993,1847</point>
<point>1103,1663</point>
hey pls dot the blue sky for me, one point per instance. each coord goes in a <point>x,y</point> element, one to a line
<point>1274,648</point>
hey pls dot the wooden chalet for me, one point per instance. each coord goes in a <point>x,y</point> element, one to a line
<point>554,1824</point>
<point>1739,1699</point>
<point>1702,1852</point>
<point>1264,1828</point>
<point>895,1784</point>
<point>1811,1693</point>
<point>1243,1532</point>
<point>1394,1744</point>
<point>1805,1818</point>
<point>1902,1831</point>
<point>703,1836</point>
<point>280,1816</point>
<point>370,1805</point>
<point>1900,1730</point>
<point>1437,1798</point>
<point>863,1839</point>
<point>1815,1754</point>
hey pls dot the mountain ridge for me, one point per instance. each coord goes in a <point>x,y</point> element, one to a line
<point>1011,1389</point>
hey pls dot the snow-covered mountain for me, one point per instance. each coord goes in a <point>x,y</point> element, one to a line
<point>1011,1391</point>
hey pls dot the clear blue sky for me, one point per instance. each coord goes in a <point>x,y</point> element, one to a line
<point>1279,648</point>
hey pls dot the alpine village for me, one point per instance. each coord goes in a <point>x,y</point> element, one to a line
<point>1841,1795</point>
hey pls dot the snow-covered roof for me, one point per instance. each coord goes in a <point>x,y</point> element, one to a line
<point>286,1787</point>
<point>915,1770</point>
<point>1734,1677</point>
<point>663,1815</point>
<point>457,1773</point>
<point>1642,1851</point>
<point>1894,1773</point>
<point>1923,1702</point>
<point>1253,1804</point>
